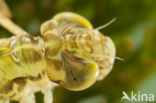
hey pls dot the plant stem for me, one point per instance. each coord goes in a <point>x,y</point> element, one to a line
<point>4,9</point>
<point>11,26</point>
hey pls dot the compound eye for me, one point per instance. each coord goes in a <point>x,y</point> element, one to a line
<point>73,18</point>
<point>79,77</point>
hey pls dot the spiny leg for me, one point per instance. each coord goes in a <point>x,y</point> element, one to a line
<point>7,23</point>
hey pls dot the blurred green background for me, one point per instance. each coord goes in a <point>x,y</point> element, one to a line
<point>134,34</point>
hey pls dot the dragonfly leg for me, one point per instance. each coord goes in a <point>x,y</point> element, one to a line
<point>48,97</point>
<point>21,91</point>
<point>29,98</point>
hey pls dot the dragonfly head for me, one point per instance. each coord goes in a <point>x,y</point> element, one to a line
<point>77,55</point>
<point>87,53</point>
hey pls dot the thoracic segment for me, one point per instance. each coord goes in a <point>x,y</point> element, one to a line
<point>22,70</point>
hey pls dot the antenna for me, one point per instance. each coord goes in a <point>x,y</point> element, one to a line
<point>105,25</point>
<point>118,58</point>
<point>106,56</point>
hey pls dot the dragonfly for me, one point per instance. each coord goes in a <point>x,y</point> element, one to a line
<point>70,53</point>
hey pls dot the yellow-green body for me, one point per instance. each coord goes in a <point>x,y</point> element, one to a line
<point>20,57</point>
<point>70,53</point>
